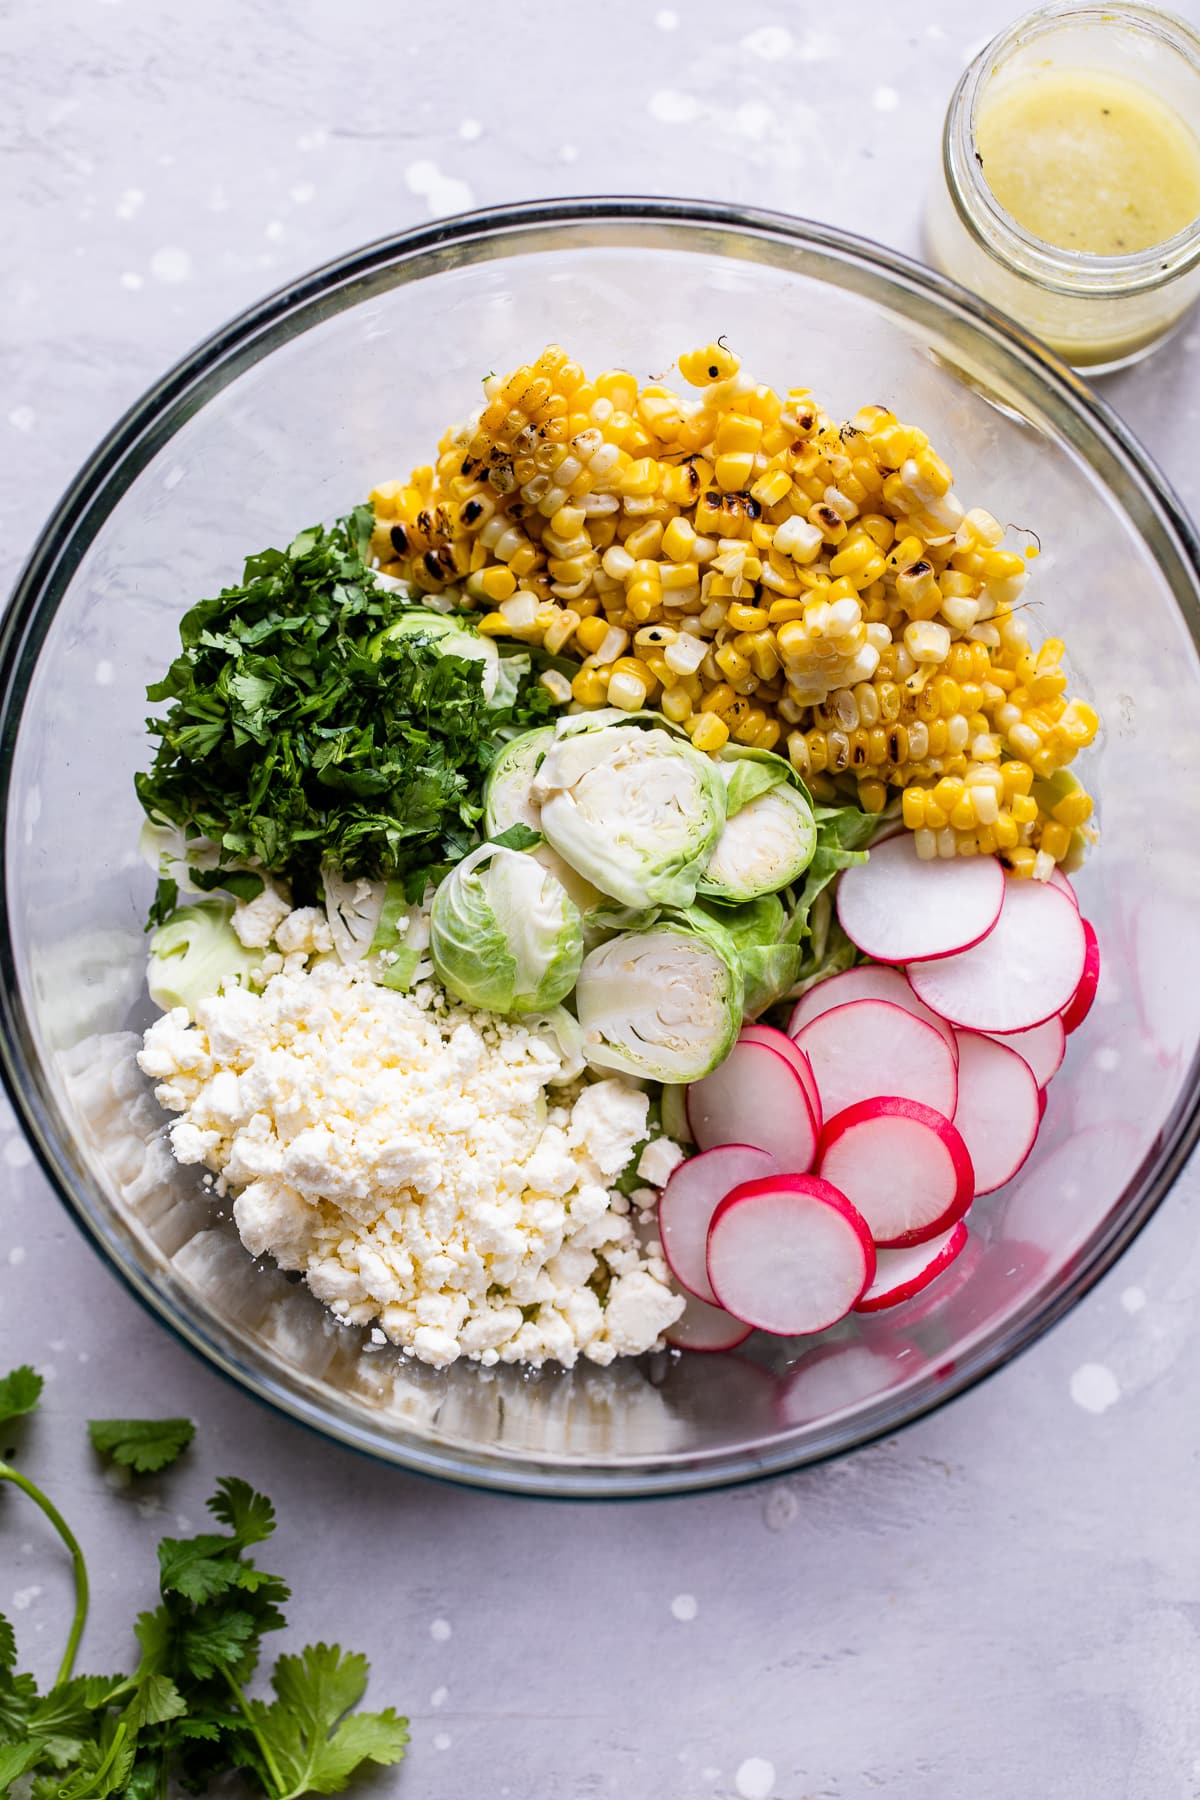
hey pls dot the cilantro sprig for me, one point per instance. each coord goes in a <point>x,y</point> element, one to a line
<point>299,732</point>
<point>184,1715</point>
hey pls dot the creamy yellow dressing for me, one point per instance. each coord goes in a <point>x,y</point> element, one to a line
<point>1089,161</point>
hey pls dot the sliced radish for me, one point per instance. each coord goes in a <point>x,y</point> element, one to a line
<point>689,1200</point>
<point>868,981</point>
<point>755,1097</point>
<point>870,1047</point>
<point>1080,1004</point>
<point>1023,972</point>
<point>899,909</point>
<point>1043,1048</point>
<point>998,1111</point>
<point>789,1254</point>
<point>1057,879</point>
<point>781,1043</point>
<point>899,1274</point>
<point>704,1327</point>
<point>1042,1104</point>
<point>903,1165</point>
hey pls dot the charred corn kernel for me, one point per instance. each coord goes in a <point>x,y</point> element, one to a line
<point>494,624</point>
<point>912,807</point>
<point>590,686</point>
<point>926,641</point>
<point>1073,809</point>
<point>590,635</point>
<point>772,487</point>
<point>718,699</point>
<point>556,685</point>
<point>677,540</point>
<point>700,368</point>
<point>747,729</point>
<point>1006,832</point>
<point>1021,859</point>
<point>1024,808</point>
<point>626,691</point>
<point>711,733</point>
<point>676,705</point>
<point>1054,839</point>
<point>747,618</point>
<point>497,583</point>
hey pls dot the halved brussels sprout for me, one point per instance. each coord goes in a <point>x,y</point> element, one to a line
<point>195,954</point>
<point>504,934</point>
<point>450,635</point>
<point>665,1002</point>
<point>507,799</point>
<point>638,812</point>
<point>770,833</point>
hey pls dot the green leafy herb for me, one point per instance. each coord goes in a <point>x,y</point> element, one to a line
<point>301,727</point>
<point>143,1445</point>
<point>516,837</point>
<point>184,1716</point>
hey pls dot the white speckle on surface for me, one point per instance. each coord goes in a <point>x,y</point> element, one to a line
<point>104,673</point>
<point>274,231</point>
<point>442,1740</point>
<point>1133,1299</point>
<point>935,33</point>
<point>1094,1387</point>
<point>149,1505</point>
<point>780,1509</point>
<point>440,1630</point>
<point>710,1774</point>
<point>132,280</point>
<point>171,264</point>
<point>1107,1060</point>
<point>754,120</point>
<point>670,107</point>
<point>755,1779</point>
<point>885,99</point>
<point>58,1345</point>
<point>130,203</point>
<point>117,1476</point>
<point>818,46</point>
<point>17,1153</point>
<point>302,193</point>
<point>173,476</point>
<point>182,1522</point>
<point>22,418</point>
<point>469,130</point>
<point>666,20</point>
<point>24,1597</point>
<point>684,1607</point>
<point>313,140</point>
<point>769,41</point>
<point>218,199</point>
<point>442,193</point>
<point>569,152</point>
<point>439,1696</point>
<point>16,1257</point>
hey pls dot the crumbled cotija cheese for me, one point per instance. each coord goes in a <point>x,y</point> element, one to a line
<point>405,1154</point>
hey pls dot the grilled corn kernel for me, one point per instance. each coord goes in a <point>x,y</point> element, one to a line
<point>1021,861</point>
<point>711,733</point>
<point>676,705</point>
<point>1073,809</point>
<point>1024,808</point>
<point>590,686</point>
<point>1055,839</point>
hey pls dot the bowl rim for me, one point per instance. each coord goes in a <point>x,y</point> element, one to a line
<point>93,494</point>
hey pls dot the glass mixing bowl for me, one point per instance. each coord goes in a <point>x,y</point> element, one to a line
<point>290,415</point>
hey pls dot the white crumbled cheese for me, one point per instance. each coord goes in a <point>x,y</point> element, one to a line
<point>255,920</point>
<point>659,1160</point>
<point>306,929</point>
<point>417,1161</point>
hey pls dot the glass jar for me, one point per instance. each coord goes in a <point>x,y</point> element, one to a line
<point>1099,312</point>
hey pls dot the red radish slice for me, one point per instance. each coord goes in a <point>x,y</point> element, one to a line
<point>1023,972</point>
<point>1058,880</point>
<point>998,1113</point>
<point>903,1165</point>
<point>1043,1048</point>
<point>687,1204</point>
<point>871,1047</point>
<point>899,909</point>
<point>1042,1104</point>
<point>1081,1000</point>
<point>899,1274</point>
<point>869,981</point>
<point>781,1043</point>
<point>755,1097</point>
<point>703,1327</point>
<point>789,1254</point>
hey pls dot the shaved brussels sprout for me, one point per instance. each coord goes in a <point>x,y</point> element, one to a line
<point>504,934</point>
<point>770,834</point>
<point>769,964</point>
<point>638,812</point>
<point>665,1002</point>
<point>195,954</point>
<point>506,796</point>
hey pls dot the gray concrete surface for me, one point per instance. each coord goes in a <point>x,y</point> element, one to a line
<point>1005,1600</point>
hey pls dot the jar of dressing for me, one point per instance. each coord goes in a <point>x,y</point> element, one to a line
<point>1071,199</point>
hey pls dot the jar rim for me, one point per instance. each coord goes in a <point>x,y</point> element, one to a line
<point>995,230</point>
